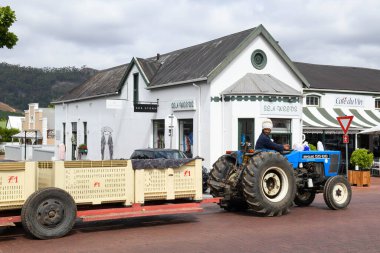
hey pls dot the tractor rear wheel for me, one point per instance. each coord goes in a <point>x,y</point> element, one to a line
<point>337,192</point>
<point>269,184</point>
<point>304,198</point>
<point>218,173</point>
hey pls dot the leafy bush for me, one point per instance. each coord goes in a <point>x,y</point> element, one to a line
<point>362,158</point>
<point>6,134</point>
<point>312,147</point>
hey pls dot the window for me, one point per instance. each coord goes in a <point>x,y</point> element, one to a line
<point>377,103</point>
<point>73,139</point>
<point>246,130</point>
<point>282,132</point>
<point>136,88</point>
<point>186,136</point>
<point>312,100</point>
<point>258,59</point>
<point>85,132</point>
<point>64,133</point>
<point>158,133</point>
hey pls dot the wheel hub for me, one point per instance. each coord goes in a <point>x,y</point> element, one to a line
<point>274,184</point>
<point>50,213</point>
<point>271,184</point>
<point>340,193</point>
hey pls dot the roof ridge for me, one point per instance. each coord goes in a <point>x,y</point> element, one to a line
<point>200,44</point>
<point>335,66</point>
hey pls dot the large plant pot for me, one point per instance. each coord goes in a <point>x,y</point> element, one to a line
<point>359,177</point>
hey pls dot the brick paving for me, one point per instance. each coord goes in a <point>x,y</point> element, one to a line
<point>311,229</point>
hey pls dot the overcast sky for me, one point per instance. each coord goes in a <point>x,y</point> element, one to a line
<point>106,33</point>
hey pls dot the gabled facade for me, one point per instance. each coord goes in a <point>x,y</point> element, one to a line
<point>14,122</point>
<point>195,99</point>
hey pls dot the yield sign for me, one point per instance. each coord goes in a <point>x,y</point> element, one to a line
<point>345,122</point>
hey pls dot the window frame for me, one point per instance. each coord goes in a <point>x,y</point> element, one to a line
<point>377,103</point>
<point>314,96</point>
<point>135,88</point>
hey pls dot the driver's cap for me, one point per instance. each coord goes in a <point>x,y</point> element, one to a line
<point>267,123</point>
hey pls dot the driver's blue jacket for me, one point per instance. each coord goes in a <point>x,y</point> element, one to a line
<point>264,142</point>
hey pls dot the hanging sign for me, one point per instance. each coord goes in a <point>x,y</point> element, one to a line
<point>345,122</point>
<point>346,139</point>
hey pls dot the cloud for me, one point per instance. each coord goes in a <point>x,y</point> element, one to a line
<point>103,34</point>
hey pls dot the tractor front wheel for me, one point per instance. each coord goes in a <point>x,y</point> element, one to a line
<point>337,192</point>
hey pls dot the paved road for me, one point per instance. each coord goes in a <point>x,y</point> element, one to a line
<point>311,229</point>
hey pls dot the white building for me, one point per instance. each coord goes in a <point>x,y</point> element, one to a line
<point>201,99</point>
<point>14,122</point>
<point>338,91</point>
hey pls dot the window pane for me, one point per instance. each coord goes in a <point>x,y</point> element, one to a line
<point>186,136</point>
<point>158,133</point>
<point>136,88</point>
<point>246,131</point>
<point>281,132</point>
<point>312,100</point>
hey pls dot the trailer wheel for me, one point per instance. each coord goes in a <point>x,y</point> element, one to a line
<point>218,173</point>
<point>269,184</point>
<point>337,192</point>
<point>304,198</point>
<point>48,213</point>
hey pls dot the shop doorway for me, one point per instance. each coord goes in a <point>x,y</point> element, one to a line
<point>158,133</point>
<point>246,130</point>
<point>186,136</point>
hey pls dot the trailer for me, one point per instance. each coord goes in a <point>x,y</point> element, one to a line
<point>48,197</point>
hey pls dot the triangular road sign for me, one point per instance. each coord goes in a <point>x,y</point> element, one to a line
<point>345,122</point>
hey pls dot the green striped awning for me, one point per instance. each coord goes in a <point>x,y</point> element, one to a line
<point>315,118</point>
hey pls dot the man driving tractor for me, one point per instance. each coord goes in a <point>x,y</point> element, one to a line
<point>264,142</point>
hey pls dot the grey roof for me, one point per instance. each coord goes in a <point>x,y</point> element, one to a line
<point>340,78</point>
<point>103,83</point>
<point>149,67</point>
<point>260,84</point>
<point>30,134</point>
<point>196,63</point>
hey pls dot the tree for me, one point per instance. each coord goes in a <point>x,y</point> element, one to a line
<point>6,134</point>
<point>7,18</point>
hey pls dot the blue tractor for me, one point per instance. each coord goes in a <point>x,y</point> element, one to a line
<point>268,183</point>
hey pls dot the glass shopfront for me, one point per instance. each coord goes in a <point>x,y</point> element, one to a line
<point>186,136</point>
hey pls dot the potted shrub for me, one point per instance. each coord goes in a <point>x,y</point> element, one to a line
<point>362,159</point>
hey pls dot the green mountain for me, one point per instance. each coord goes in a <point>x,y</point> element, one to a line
<point>20,86</point>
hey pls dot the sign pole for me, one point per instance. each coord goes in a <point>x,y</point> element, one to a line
<point>345,122</point>
<point>346,160</point>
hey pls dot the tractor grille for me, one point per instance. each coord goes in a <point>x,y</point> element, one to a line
<point>334,163</point>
